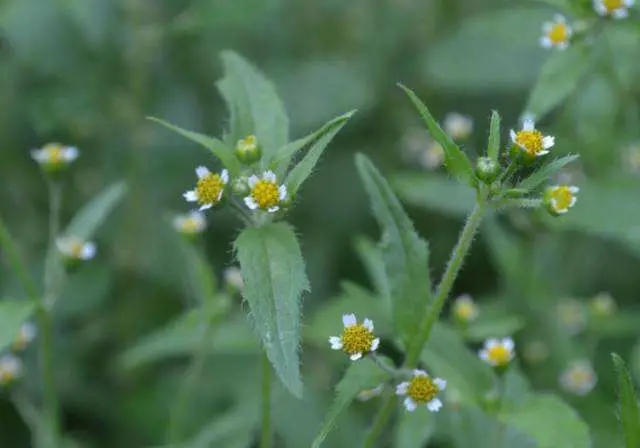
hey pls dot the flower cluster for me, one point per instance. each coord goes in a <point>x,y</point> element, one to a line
<point>11,366</point>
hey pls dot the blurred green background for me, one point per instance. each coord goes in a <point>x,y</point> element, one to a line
<point>88,72</point>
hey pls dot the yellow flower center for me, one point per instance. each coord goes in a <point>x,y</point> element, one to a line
<point>422,389</point>
<point>559,33</point>
<point>55,154</point>
<point>563,197</point>
<point>248,143</point>
<point>613,5</point>
<point>190,226</point>
<point>465,310</point>
<point>357,339</point>
<point>75,248</point>
<point>499,355</point>
<point>6,376</point>
<point>579,376</point>
<point>266,194</point>
<point>208,189</point>
<point>531,141</point>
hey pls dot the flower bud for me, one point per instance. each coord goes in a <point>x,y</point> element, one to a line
<point>487,170</point>
<point>248,151</point>
<point>240,186</point>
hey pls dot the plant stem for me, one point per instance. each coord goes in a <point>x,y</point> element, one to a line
<point>265,438</point>
<point>380,421</point>
<point>448,278</point>
<point>6,242</point>
<point>382,366</point>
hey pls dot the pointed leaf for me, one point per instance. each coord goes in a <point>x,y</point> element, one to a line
<point>371,256</point>
<point>493,148</point>
<point>628,412</point>
<point>414,429</point>
<point>435,192</point>
<point>274,280</point>
<point>405,254</point>
<point>543,174</point>
<point>13,313</point>
<point>455,160</point>
<point>217,148</point>
<point>86,222</point>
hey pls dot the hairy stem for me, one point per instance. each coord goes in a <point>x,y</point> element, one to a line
<point>265,437</point>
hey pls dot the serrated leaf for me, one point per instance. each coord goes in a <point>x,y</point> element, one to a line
<point>274,281</point>
<point>220,150</point>
<point>550,421</point>
<point>628,412</point>
<point>13,313</point>
<point>405,254</point>
<point>455,160</point>
<point>360,375</point>
<point>544,173</point>
<point>414,429</point>
<point>255,105</point>
<point>435,192</point>
<point>493,147</point>
<point>86,222</point>
<point>558,79</point>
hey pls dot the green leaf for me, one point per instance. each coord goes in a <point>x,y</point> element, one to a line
<point>200,273</point>
<point>544,173</point>
<point>493,148</point>
<point>231,430</point>
<point>13,313</point>
<point>628,412</point>
<point>486,327</point>
<point>414,429</point>
<point>254,104</point>
<point>550,421</point>
<point>274,280</point>
<point>558,79</point>
<point>618,325</point>
<point>471,427</point>
<point>360,375</point>
<point>435,192</point>
<point>282,158</point>
<point>405,254</point>
<point>370,255</point>
<point>86,222</point>
<point>218,149</point>
<point>303,169</point>
<point>455,160</point>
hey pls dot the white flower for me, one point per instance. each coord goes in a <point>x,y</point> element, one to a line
<point>603,305</point>
<point>190,224</point>
<point>498,352</point>
<point>464,309</point>
<point>421,390</point>
<point>560,198</point>
<point>432,156</point>
<point>618,9</point>
<point>265,193</point>
<point>10,369</point>
<point>357,339</point>
<point>75,248</point>
<point>26,334</point>
<point>209,188</point>
<point>571,316</point>
<point>579,377</point>
<point>458,126</point>
<point>530,140</point>
<point>233,278</point>
<point>368,394</point>
<point>55,155</point>
<point>556,33</point>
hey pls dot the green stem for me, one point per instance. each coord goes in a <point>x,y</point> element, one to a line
<point>384,367</point>
<point>265,438</point>
<point>449,277</point>
<point>6,242</point>
<point>380,422</point>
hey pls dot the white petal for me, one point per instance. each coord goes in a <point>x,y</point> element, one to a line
<point>528,124</point>
<point>178,222</point>
<point>490,343</point>
<point>562,45</point>
<point>88,251</point>
<point>336,343</point>
<point>273,209</point>
<point>401,389</point>
<point>574,189</point>
<point>513,135</point>
<point>508,343</point>
<point>620,13</point>
<point>252,181</point>
<point>282,189</point>
<point>442,384</point>
<point>205,207</point>
<point>202,171</point>
<point>484,355</point>
<point>544,152</point>
<point>368,324</point>
<point>418,372</point>
<point>629,3</point>
<point>191,196</point>
<point>70,153</point>
<point>547,27</point>
<point>375,344</point>
<point>251,203</point>
<point>410,405</point>
<point>600,8</point>
<point>434,405</point>
<point>545,42</point>
<point>269,175</point>
<point>548,141</point>
<point>559,18</point>
<point>573,201</point>
<point>219,195</point>
<point>63,245</point>
<point>224,175</point>
<point>349,320</point>
<point>356,356</point>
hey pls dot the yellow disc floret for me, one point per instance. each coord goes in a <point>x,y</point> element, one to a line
<point>55,153</point>
<point>265,193</point>
<point>209,189</point>
<point>422,389</point>
<point>357,339</point>
<point>559,33</point>
<point>531,141</point>
<point>612,5</point>
<point>499,355</point>
<point>563,197</point>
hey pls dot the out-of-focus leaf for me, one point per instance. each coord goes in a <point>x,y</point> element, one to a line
<point>255,105</point>
<point>486,327</point>
<point>550,421</point>
<point>405,254</point>
<point>201,274</point>
<point>86,222</point>
<point>371,256</point>
<point>13,313</point>
<point>93,18</point>
<point>303,169</point>
<point>274,281</point>
<point>217,148</point>
<point>618,325</point>
<point>455,160</point>
<point>543,174</point>
<point>414,429</point>
<point>434,191</point>
<point>628,412</point>
<point>472,427</point>
<point>493,148</point>
<point>558,79</point>
<point>623,40</point>
<point>359,376</point>
<point>84,292</point>
<point>235,429</point>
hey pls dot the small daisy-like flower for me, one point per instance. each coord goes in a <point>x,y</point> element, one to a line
<point>55,155</point>
<point>579,377</point>
<point>265,193</point>
<point>464,309</point>
<point>76,249</point>
<point>209,188</point>
<point>618,9</point>
<point>26,334</point>
<point>190,224</point>
<point>357,339</point>
<point>458,126</point>
<point>432,156</point>
<point>233,278</point>
<point>603,305</point>
<point>571,316</point>
<point>535,352</point>
<point>368,394</point>
<point>632,158</point>
<point>421,390</point>
<point>533,142</point>
<point>10,369</point>
<point>498,352</point>
<point>560,198</point>
<point>556,33</point>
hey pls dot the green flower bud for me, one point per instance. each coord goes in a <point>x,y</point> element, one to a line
<point>240,186</point>
<point>248,151</point>
<point>487,170</point>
